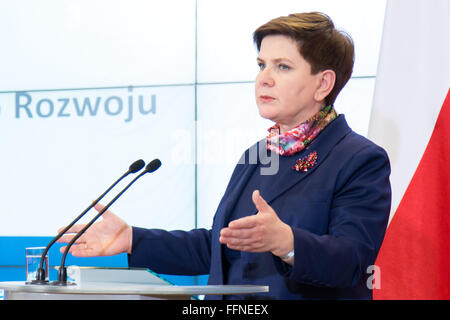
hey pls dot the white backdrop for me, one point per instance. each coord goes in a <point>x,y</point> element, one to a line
<point>72,71</point>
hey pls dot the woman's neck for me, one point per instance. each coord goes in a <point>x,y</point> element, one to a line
<point>284,127</point>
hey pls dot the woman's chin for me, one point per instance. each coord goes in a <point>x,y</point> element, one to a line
<point>266,113</point>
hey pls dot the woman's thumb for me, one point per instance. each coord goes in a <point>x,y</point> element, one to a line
<point>260,203</point>
<point>99,207</point>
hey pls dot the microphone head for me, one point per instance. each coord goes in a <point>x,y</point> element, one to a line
<point>153,165</point>
<point>136,166</point>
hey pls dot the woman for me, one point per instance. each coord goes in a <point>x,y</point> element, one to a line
<point>310,230</point>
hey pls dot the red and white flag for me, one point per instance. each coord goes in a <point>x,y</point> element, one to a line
<point>411,120</point>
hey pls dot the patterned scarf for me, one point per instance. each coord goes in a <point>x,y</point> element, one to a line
<point>298,138</point>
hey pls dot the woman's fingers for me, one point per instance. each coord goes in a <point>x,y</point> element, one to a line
<point>109,236</point>
<point>80,250</point>
<point>65,239</point>
<point>251,247</point>
<point>99,207</point>
<point>244,223</point>
<point>74,229</point>
<point>237,233</point>
<point>242,239</point>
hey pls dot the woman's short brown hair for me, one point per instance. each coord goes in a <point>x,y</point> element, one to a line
<point>319,43</point>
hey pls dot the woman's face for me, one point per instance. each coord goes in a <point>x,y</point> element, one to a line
<point>285,89</point>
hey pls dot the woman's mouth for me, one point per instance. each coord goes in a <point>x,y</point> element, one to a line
<point>266,99</point>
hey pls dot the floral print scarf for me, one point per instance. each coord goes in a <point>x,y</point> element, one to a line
<point>298,138</point>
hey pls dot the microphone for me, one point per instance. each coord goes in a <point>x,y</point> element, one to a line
<point>62,273</point>
<point>40,276</point>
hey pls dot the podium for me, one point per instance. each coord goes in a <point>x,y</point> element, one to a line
<point>118,283</point>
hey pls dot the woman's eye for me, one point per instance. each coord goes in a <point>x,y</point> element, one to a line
<point>283,67</point>
<point>261,66</point>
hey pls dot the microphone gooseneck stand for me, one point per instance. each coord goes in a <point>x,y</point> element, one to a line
<point>62,273</point>
<point>41,275</point>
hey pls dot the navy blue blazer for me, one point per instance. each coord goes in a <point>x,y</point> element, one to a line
<point>338,211</point>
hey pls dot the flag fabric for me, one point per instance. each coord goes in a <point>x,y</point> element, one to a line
<point>411,120</point>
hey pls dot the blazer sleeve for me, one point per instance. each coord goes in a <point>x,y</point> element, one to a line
<point>357,223</point>
<point>171,252</point>
<point>176,252</point>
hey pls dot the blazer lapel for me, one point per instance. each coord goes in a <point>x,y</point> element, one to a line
<point>323,144</point>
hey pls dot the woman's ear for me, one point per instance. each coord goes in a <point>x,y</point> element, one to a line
<point>327,79</point>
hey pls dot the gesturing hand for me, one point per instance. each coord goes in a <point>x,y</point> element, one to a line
<point>261,232</point>
<point>108,237</point>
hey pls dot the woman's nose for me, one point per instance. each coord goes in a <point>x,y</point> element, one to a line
<point>265,78</point>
